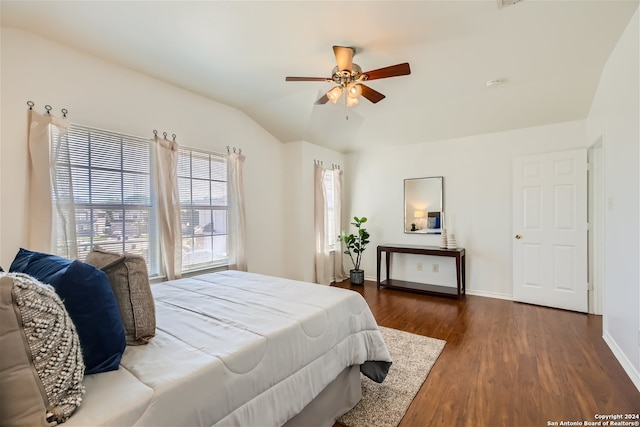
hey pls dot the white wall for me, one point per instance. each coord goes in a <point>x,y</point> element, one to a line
<point>477,200</point>
<point>299,203</point>
<point>104,95</point>
<point>614,115</point>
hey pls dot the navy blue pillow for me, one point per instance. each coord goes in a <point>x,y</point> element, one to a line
<point>21,261</point>
<point>88,297</point>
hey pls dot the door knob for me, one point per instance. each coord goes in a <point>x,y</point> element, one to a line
<point>518,236</point>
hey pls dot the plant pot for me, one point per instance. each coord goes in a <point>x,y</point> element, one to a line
<point>356,277</point>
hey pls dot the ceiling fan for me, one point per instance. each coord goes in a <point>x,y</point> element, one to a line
<point>349,79</point>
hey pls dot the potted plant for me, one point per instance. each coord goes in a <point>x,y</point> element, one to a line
<point>355,245</point>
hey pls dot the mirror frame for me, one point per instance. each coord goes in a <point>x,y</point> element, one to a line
<point>439,214</point>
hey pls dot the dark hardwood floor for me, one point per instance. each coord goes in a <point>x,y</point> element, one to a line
<point>506,363</point>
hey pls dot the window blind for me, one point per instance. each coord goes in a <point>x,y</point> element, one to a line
<point>202,183</point>
<point>331,236</point>
<point>110,180</point>
<point>109,177</point>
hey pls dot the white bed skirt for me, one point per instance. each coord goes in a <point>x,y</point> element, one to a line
<point>339,397</point>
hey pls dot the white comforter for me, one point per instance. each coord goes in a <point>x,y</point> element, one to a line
<point>234,348</point>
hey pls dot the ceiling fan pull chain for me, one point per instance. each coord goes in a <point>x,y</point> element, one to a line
<point>346,107</point>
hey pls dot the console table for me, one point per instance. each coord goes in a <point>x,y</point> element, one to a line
<point>446,291</point>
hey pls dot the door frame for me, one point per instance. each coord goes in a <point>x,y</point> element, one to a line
<point>597,225</point>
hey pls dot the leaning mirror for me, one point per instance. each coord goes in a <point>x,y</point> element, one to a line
<point>423,205</point>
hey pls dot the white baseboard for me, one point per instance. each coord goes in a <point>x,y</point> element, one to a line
<point>622,358</point>
<point>468,292</point>
<point>490,294</point>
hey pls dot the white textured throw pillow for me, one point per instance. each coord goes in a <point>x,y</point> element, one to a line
<point>41,368</point>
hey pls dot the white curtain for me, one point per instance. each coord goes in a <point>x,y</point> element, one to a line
<point>338,268</point>
<point>51,211</point>
<point>322,264</point>
<point>236,234</point>
<point>168,206</point>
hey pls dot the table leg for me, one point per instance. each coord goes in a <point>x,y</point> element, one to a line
<point>379,258</point>
<point>388,266</point>
<point>459,273</point>
<point>464,278</point>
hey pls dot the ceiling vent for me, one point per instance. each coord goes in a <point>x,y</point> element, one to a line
<point>505,3</point>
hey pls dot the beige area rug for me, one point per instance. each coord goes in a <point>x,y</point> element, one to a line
<point>384,405</point>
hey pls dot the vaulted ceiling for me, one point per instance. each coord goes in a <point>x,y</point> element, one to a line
<point>549,56</point>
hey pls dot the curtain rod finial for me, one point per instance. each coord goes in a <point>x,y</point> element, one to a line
<point>235,150</point>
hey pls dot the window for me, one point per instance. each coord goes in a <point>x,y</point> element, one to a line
<point>113,192</point>
<point>331,223</point>
<point>202,182</point>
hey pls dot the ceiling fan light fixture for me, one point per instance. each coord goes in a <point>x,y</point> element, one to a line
<point>352,101</point>
<point>334,94</point>
<point>349,78</point>
<point>354,90</point>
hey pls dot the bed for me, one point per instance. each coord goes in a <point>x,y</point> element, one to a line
<point>241,349</point>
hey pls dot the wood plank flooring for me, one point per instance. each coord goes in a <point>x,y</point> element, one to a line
<point>506,363</point>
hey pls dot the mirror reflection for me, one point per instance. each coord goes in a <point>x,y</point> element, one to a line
<point>423,205</point>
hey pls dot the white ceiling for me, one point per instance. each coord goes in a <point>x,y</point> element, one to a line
<point>550,53</point>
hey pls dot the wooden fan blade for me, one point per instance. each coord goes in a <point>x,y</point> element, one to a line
<point>322,100</point>
<point>344,57</point>
<point>392,71</point>
<point>372,95</point>
<point>307,79</point>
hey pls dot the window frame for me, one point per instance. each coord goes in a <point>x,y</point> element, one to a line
<point>211,207</point>
<point>331,241</point>
<point>91,208</point>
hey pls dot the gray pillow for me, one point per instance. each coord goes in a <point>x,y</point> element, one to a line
<point>41,368</point>
<point>129,280</point>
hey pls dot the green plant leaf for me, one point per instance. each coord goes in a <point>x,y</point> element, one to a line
<point>355,243</point>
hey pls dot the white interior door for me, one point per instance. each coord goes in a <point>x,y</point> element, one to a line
<point>550,229</point>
